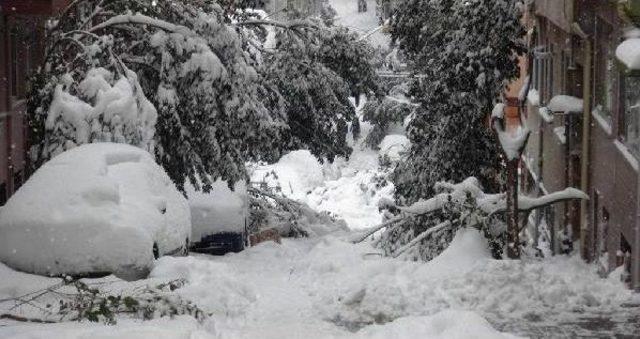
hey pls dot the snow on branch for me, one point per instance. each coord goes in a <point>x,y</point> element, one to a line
<point>483,205</point>
<point>285,25</point>
<point>527,203</point>
<point>139,19</point>
<point>421,237</point>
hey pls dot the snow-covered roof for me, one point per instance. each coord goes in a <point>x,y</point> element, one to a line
<point>628,52</point>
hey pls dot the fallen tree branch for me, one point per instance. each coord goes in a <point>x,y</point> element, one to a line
<point>25,319</point>
<point>285,25</point>
<point>422,236</point>
<point>397,220</point>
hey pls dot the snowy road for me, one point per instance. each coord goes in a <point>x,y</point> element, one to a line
<point>329,288</point>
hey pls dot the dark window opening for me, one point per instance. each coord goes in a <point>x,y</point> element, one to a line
<point>624,259</point>
<point>18,179</point>
<point>3,193</point>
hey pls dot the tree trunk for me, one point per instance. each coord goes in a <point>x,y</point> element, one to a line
<point>513,241</point>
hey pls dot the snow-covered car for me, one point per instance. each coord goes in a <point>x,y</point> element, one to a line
<point>96,209</point>
<point>219,218</point>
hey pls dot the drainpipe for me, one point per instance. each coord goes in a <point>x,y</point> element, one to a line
<point>586,135</point>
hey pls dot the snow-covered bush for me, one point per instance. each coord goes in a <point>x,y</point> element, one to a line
<point>464,53</point>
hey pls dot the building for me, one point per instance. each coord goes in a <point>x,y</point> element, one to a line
<point>585,122</point>
<point>21,51</point>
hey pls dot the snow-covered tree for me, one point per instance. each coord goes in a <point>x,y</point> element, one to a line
<point>384,112</point>
<point>464,52</point>
<point>190,63</point>
<point>315,70</point>
<point>221,99</point>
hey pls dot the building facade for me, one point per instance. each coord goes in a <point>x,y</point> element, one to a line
<point>595,148</point>
<point>21,51</point>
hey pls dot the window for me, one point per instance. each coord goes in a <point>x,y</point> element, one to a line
<point>630,131</point>
<point>604,70</point>
<point>542,64</point>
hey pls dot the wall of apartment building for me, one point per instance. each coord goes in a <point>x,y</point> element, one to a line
<point>21,52</point>
<point>613,167</point>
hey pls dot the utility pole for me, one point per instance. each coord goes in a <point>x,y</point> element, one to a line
<point>513,144</point>
<point>513,227</point>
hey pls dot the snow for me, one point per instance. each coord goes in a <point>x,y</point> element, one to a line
<point>602,122</point>
<point>629,53</point>
<point>103,110</point>
<point>366,24</point>
<point>448,324</point>
<point>489,203</point>
<point>546,114</point>
<point>513,142</point>
<point>349,189</point>
<point>560,134</point>
<point>631,159</point>
<point>326,287</point>
<point>498,111</point>
<point>297,173</point>
<point>179,328</point>
<point>96,208</point>
<point>533,97</point>
<point>565,104</point>
<point>393,146</point>
<point>220,210</point>
<point>528,203</point>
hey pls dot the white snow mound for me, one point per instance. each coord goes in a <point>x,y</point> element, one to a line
<point>447,324</point>
<point>393,146</point>
<point>95,208</point>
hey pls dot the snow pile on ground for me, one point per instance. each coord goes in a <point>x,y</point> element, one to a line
<point>296,173</point>
<point>326,287</point>
<point>364,24</point>
<point>444,325</point>
<point>349,189</point>
<point>96,208</point>
<point>393,146</point>
<point>178,328</point>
